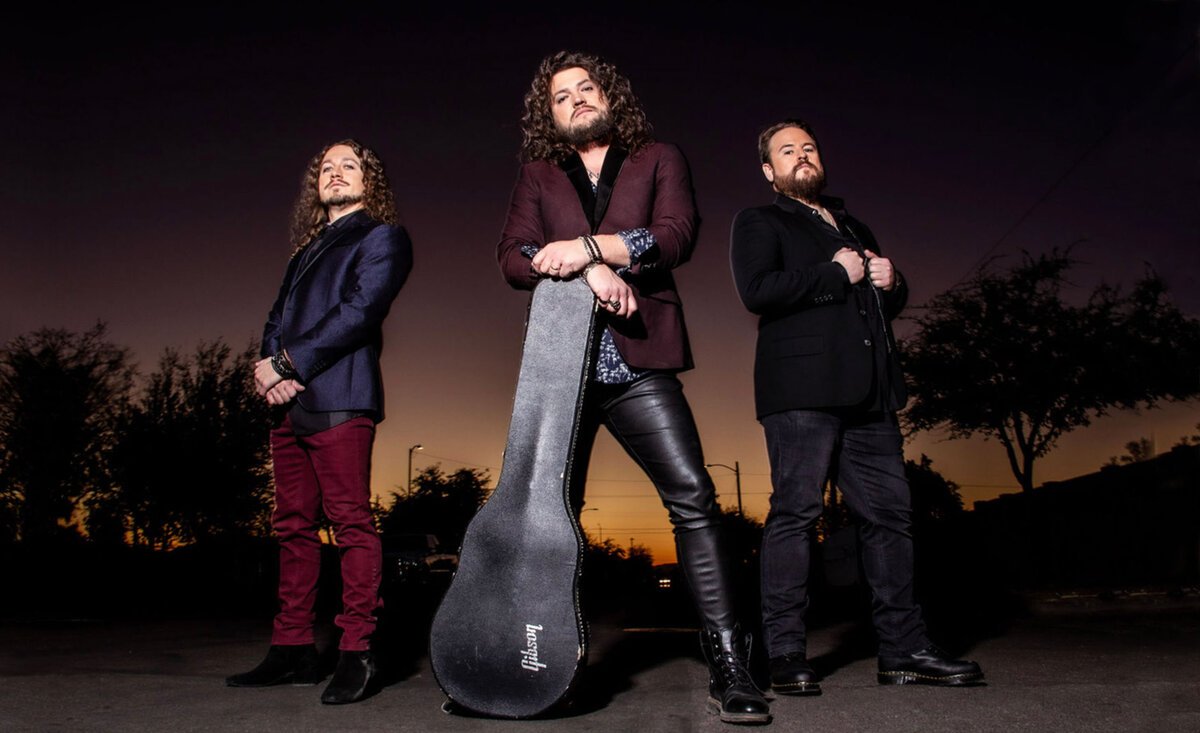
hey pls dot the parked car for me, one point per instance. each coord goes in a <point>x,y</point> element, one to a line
<point>416,558</point>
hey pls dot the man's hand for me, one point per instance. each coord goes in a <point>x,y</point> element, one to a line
<point>852,262</point>
<point>284,392</point>
<point>614,294</point>
<point>881,272</point>
<point>265,376</point>
<point>561,259</point>
<point>566,257</point>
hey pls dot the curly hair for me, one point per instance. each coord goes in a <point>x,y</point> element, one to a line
<point>542,140</point>
<point>309,214</point>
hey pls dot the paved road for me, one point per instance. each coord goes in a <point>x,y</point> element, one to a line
<point>1075,671</point>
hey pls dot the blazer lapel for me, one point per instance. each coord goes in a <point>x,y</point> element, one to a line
<point>613,162</point>
<point>577,174</point>
<point>339,237</point>
<point>594,203</point>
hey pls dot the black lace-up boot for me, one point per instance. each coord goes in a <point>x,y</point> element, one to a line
<point>732,694</point>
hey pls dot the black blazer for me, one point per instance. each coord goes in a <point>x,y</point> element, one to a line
<point>814,341</point>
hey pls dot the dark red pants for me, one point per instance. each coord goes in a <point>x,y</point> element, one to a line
<point>330,471</point>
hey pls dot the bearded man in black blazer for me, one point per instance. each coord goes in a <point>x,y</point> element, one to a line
<point>827,384</point>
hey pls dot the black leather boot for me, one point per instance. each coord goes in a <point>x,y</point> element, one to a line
<point>791,674</point>
<point>296,665</point>
<point>732,694</point>
<point>705,564</point>
<point>351,679</point>
<point>930,666</point>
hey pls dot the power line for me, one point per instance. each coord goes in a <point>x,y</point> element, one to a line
<point>1087,152</point>
<point>654,495</point>
<point>461,463</point>
<point>647,480</point>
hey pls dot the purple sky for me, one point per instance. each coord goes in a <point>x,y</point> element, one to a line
<point>156,162</point>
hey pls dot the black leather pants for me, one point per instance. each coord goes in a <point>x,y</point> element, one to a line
<point>651,419</point>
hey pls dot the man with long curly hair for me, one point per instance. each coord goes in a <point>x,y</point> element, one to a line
<point>320,366</point>
<point>597,198</point>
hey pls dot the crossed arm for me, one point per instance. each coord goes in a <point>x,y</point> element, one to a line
<point>670,234</point>
<point>381,266</point>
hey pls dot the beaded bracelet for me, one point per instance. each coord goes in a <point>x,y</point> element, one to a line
<point>592,248</point>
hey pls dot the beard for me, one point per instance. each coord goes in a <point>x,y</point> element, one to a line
<point>804,189</point>
<point>599,129</point>
<point>341,199</point>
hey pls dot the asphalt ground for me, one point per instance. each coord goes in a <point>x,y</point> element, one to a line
<point>1061,667</point>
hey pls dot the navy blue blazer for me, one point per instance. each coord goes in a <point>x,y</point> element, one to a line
<point>329,314</point>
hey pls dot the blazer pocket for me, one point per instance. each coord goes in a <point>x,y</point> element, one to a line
<point>797,346</point>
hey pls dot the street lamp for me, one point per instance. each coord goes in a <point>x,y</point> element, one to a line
<point>737,476</point>
<point>418,446</point>
<point>599,527</point>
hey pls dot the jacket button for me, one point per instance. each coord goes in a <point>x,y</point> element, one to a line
<point>862,313</point>
<point>866,342</point>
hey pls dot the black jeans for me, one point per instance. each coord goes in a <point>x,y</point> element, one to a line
<point>867,462</point>
<point>652,421</point>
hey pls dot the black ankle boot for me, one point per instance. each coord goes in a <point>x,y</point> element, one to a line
<point>297,665</point>
<point>732,694</point>
<point>351,678</point>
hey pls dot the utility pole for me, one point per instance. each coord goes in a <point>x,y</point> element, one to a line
<point>418,446</point>
<point>737,476</point>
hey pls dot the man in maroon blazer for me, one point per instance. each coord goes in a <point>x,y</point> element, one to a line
<point>597,198</point>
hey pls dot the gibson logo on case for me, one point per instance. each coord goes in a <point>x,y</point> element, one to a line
<point>529,655</point>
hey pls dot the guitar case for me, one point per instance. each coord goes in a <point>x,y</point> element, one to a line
<point>508,638</point>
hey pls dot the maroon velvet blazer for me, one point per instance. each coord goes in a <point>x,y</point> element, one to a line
<point>649,189</point>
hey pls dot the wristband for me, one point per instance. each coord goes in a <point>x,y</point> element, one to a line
<point>592,248</point>
<point>283,367</point>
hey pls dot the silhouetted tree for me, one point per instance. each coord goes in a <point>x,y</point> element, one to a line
<point>193,458</point>
<point>1189,439</point>
<point>933,496</point>
<point>613,578</point>
<point>1006,356</point>
<point>61,397</point>
<point>639,557</point>
<point>440,504</point>
<point>743,536</point>
<point>601,555</point>
<point>1138,450</point>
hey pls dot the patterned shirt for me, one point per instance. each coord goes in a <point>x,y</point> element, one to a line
<point>610,367</point>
